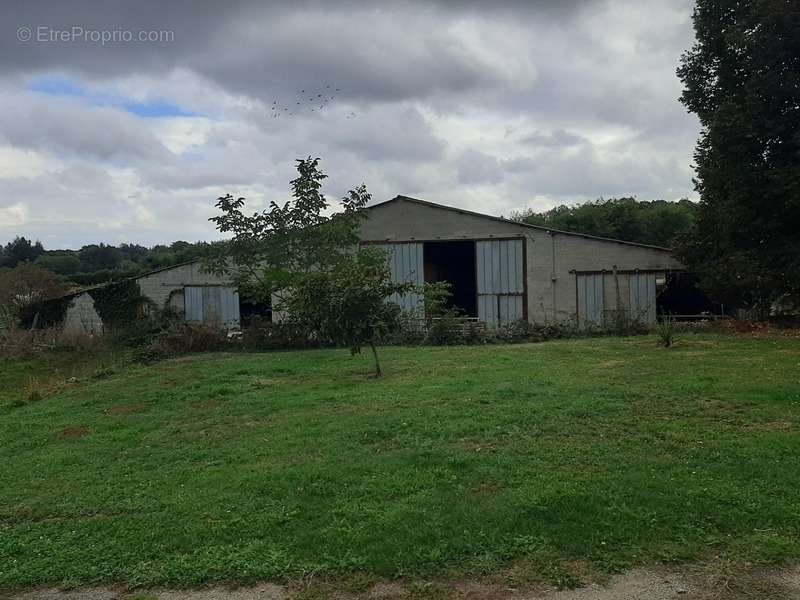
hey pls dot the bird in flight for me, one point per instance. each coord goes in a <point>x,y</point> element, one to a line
<point>314,101</point>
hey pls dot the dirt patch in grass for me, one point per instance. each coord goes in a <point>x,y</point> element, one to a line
<point>726,579</point>
<point>125,409</point>
<point>73,433</point>
<point>719,580</point>
<point>611,364</point>
<point>487,488</point>
<point>482,444</point>
<point>206,404</point>
<point>770,426</point>
<point>260,383</point>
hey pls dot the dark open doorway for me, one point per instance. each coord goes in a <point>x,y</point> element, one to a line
<point>682,296</point>
<point>454,262</point>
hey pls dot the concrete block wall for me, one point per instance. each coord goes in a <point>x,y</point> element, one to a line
<point>167,285</point>
<point>81,317</point>
<point>551,257</point>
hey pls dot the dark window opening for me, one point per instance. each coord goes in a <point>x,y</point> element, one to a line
<point>454,262</point>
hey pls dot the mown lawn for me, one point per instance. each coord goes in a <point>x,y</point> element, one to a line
<point>464,460</point>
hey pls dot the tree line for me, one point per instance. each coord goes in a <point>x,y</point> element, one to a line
<point>98,263</point>
<point>658,222</point>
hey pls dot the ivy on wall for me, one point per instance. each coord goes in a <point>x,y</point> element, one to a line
<point>119,304</point>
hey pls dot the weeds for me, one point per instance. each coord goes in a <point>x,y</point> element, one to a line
<point>665,329</point>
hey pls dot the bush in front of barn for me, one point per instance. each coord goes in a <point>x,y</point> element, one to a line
<point>263,334</point>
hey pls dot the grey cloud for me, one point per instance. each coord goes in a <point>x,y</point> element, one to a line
<point>64,126</point>
<point>400,50</point>
<point>476,167</point>
<point>557,138</point>
<point>541,101</point>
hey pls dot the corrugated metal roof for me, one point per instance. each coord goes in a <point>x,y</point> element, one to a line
<point>521,224</point>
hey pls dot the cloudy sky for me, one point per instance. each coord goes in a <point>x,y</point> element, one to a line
<point>491,107</point>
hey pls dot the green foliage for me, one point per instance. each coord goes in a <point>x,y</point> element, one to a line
<point>665,328</point>
<point>460,460</point>
<point>346,304</point>
<point>659,222</point>
<point>741,80</point>
<point>185,338</point>
<point>51,313</point>
<point>28,290</point>
<point>262,334</point>
<point>97,257</point>
<point>101,263</point>
<point>61,263</point>
<point>28,284</point>
<point>119,304</point>
<point>19,251</point>
<point>443,323</point>
<point>272,250</point>
<point>310,262</point>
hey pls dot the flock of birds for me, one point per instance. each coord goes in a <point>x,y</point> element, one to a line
<point>307,100</point>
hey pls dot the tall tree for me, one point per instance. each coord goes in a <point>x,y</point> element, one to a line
<point>20,250</point>
<point>742,79</point>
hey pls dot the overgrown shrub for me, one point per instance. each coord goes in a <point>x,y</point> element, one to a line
<point>443,323</point>
<point>475,333</point>
<point>516,331</point>
<point>263,334</point>
<point>44,314</point>
<point>445,330</point>
<point>188,337</point>
<point>410,331</point>
<point>141,332</point>
<point>24,343</point>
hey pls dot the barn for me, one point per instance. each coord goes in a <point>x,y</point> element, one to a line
<point>187,288</point>
<point>502,270</point>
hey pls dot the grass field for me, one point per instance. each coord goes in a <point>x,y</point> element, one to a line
<point>529,459</point>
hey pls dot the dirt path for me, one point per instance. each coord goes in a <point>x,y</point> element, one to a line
<point>718,582</point>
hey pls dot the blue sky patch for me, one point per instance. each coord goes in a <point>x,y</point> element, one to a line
<point>61,86</point>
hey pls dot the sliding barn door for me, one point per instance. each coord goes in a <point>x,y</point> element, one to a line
<point>590,300</point>
<point>501,281</point>
<point>642,297</point>
<point>407,266</point>
<point>213,305</point>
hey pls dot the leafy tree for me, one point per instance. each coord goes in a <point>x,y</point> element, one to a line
<point>347,304</point>
<point>96,257</point>
<point>62,263</point>
<point>18,251</point>
<point>307,262</point>
<point>742,79</point>
<point>28,284</point>
<point>659,222</point>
